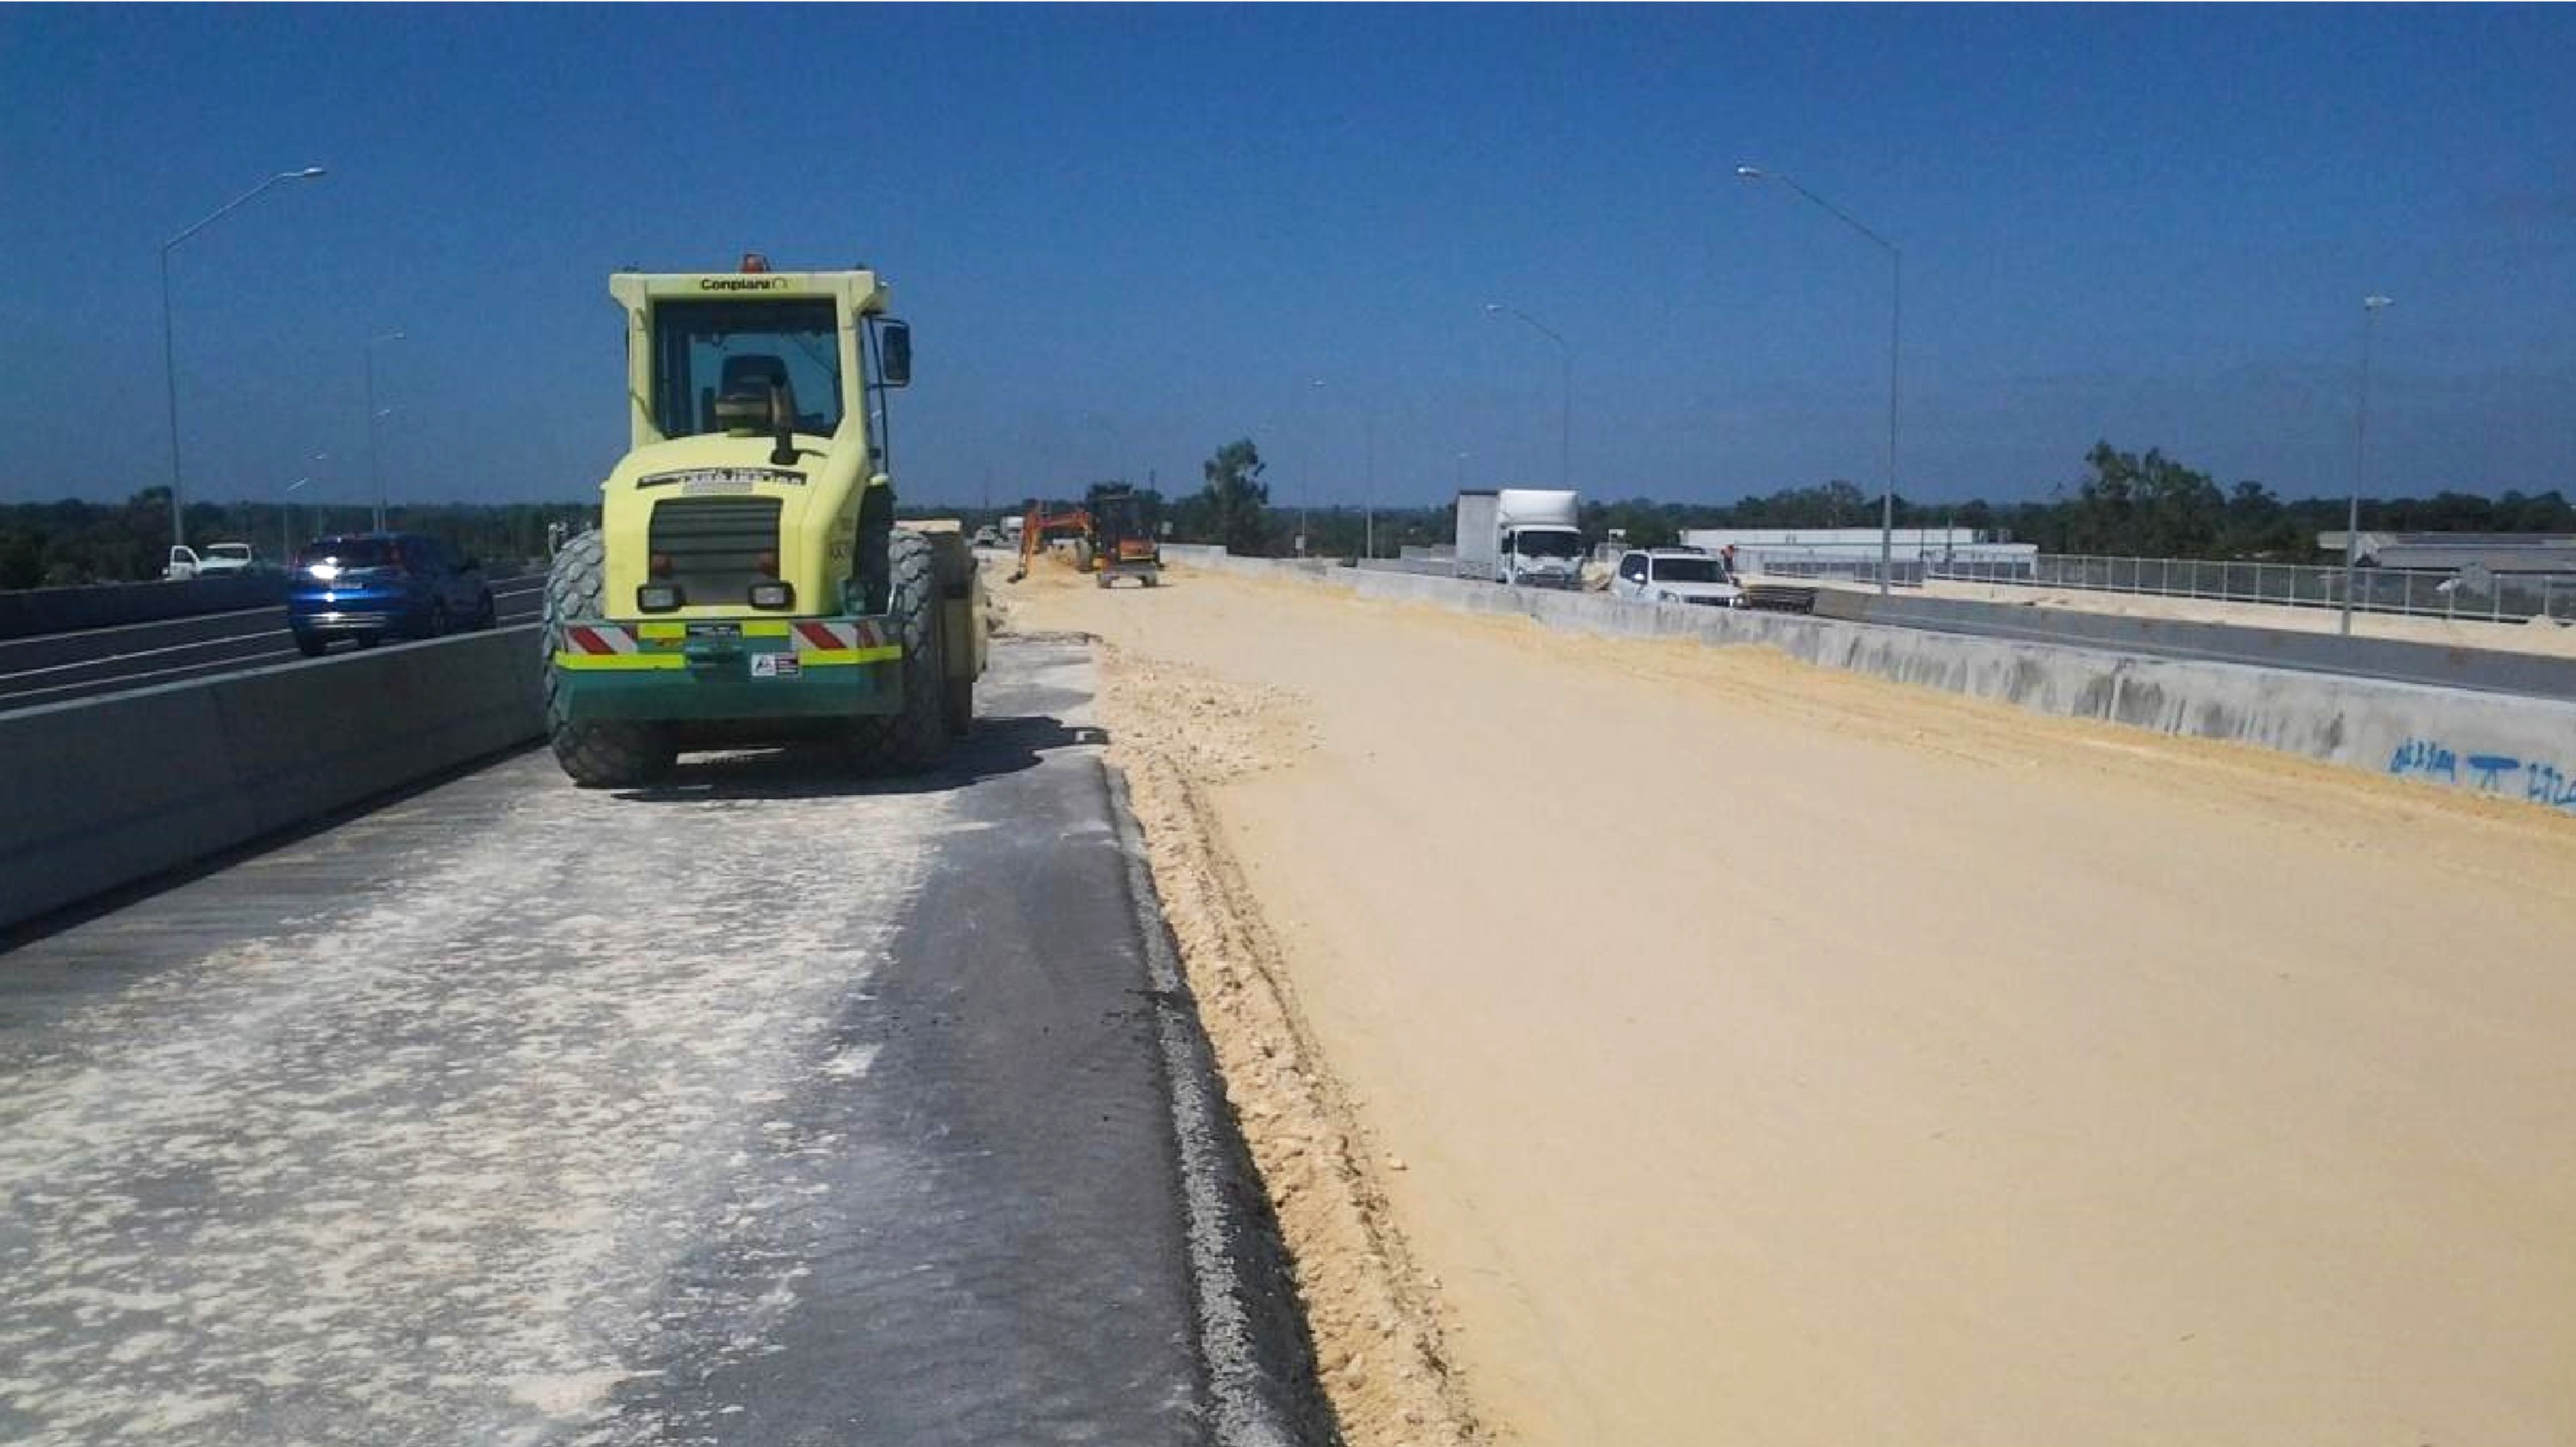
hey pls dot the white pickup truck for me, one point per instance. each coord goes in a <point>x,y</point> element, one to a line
<point>219,560</point>
<point>1676,575</point>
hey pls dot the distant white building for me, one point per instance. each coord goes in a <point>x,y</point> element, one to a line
<point>2451,552</point>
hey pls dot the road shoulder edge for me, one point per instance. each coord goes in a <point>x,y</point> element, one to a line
<point>1253,1339</point>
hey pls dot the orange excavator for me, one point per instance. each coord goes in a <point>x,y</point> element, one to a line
<point>1045,523</point>
<point>1112,534</point>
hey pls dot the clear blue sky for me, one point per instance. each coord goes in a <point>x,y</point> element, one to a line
<point>2151,225</point>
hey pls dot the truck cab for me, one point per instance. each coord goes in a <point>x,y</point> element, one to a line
<point>1528,537</point>
<point>1543,554</point>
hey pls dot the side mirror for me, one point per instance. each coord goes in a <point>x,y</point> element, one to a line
<point>894,354</point>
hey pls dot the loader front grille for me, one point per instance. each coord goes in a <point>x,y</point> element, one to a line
<point>715,544</point>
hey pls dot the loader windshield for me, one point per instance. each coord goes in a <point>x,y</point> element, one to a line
<point>704,349</point>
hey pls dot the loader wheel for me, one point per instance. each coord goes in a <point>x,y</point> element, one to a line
<point>915,738</point>
<point>613,755</point>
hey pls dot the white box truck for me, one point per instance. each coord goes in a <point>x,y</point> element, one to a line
<point>1525,536</point>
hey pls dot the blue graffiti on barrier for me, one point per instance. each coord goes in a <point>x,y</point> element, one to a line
<point>2423,756</point>
<point>2544,784</point>
<point>2492,768</point>
<point>2550,785</point>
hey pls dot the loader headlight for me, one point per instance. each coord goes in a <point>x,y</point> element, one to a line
<point>658,597</point>
<point>773,595</point>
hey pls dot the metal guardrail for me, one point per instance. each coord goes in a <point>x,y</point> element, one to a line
<point>1902,572</point>
<point>2499,597</point>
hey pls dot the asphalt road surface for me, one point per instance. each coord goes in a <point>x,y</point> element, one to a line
<point>765,1107</point>
<point>57,667</point>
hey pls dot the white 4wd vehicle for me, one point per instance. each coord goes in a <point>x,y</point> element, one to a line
<point>219,560</point>
<point>1676,575</point>
<point>222,560</point>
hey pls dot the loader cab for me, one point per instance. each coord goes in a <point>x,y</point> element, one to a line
<point>799,353</point>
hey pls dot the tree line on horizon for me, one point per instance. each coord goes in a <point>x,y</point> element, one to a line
<point>2121,504</point>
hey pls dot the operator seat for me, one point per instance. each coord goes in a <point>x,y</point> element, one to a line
<point>752,373</point>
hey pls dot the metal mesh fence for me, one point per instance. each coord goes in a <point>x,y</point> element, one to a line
<point>1903,572</point>
<point>2510,597</point>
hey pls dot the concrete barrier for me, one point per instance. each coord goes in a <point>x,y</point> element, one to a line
<point>102,793</point>
<point>2508,745</point>
<point>38,611</point>
<point>2440,665</point>
<point>61,610</point>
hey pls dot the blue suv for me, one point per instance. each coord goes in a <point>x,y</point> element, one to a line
<point>374,586</point>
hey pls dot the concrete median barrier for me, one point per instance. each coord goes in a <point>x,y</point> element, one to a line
<point>2439,665</point>
<point>2509,745</point>
<point>103,793</point>
<point>105,605</point>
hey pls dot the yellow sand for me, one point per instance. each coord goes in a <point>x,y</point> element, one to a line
<point>1779,1056</point>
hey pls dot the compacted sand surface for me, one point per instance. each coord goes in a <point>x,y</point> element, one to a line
<point>1657,1044</point>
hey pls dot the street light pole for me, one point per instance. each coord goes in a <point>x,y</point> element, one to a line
<point>169,344</point>
<point>1368,487</point>
<point>1305,487</point>
<point>1565,415</point>
<point>286,522</point>
<point>2371,307</point>
<point>1895,344</point>
<point>375,453</point>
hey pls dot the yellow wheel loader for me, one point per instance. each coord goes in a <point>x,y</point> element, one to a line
<point>747,583</point>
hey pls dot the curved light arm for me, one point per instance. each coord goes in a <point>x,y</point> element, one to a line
<point>1756,173</point>
<point>1499,309</point>
<point>244,199</point>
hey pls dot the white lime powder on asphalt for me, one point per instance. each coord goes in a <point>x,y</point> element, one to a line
<point>431,1173</point>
